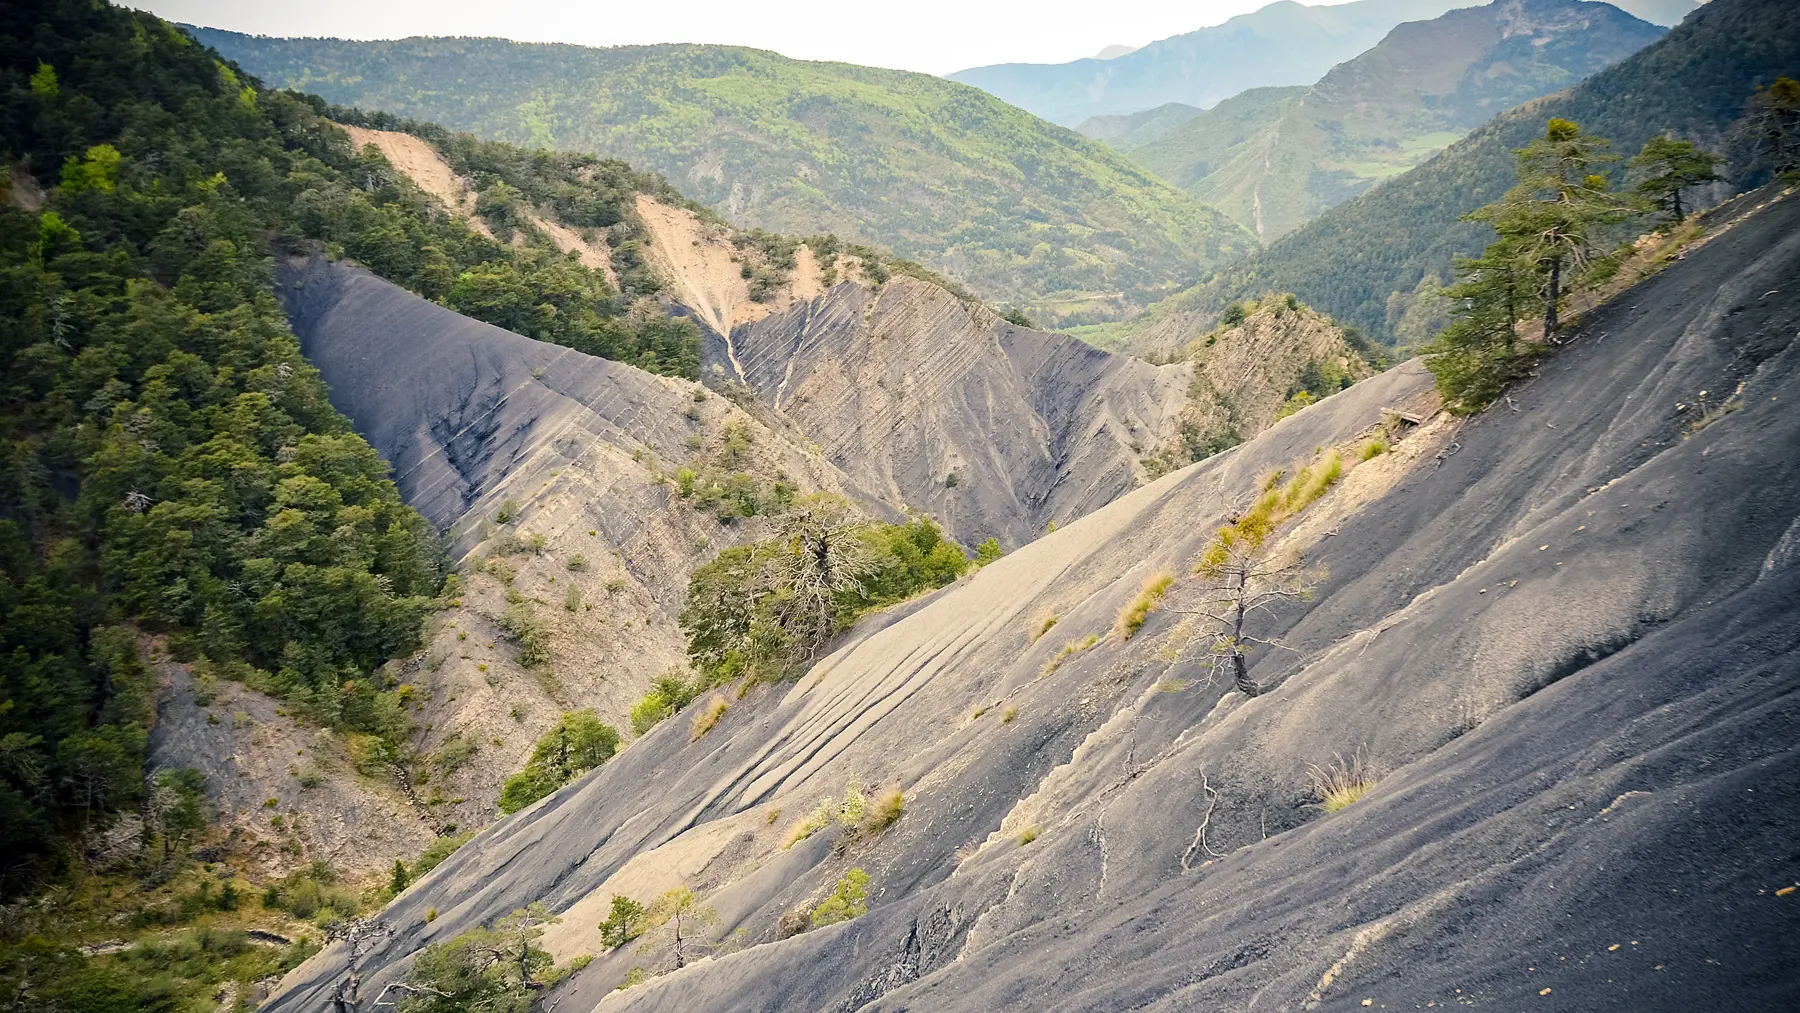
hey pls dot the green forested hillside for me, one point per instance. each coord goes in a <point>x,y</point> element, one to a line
<point>938,172</point>
<point>1273,165</point>
<point>1348,262</point>
<point>174,481</point>
<point>1128,130</point>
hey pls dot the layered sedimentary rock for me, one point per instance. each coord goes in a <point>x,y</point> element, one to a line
<point>1561,640</point>
<point>934,401</point>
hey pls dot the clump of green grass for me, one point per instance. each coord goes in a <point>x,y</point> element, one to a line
<point>1007,717</point>
<point>1341,782</point>
<point>709,716</point>
<point>1044,626</point>
<point>1072,647</point>
<point>1132,619</point>
<point>1373,449</point>
<point>1029,834</point>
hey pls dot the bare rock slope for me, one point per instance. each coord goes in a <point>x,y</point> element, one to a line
<point>937,402</point>
<point>1565,639</point>
<point>553,467</point>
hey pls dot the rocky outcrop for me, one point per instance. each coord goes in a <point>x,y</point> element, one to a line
<point>930,400</point>
<point>285,790</point>
<point>1561,638</point>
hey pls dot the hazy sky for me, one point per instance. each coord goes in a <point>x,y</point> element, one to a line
<point>934,36</point>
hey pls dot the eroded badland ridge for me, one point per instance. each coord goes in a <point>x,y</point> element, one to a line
<point>1506,597</point>
<point>443,575</point>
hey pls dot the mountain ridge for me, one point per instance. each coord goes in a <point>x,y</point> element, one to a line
<point>1354,259</point>
<point>1283,43</point>
<point>939,173</point>
<point>1370,118</point>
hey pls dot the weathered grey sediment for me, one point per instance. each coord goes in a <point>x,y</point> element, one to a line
<point>1566,635</point>
<point>908,384</point>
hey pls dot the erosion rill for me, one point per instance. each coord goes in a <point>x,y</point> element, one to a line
<point>1552,656</point>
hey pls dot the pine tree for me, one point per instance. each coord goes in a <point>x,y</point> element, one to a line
<point>1554,215</point>
<point>1673,166</point>
<point>1550,227</point>
<point>1772,127</point>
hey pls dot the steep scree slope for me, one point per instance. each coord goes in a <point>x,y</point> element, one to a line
<point>1565,635</point>
<point>906,386</point>
<point>576,449</point>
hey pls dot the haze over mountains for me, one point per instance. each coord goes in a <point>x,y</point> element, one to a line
<point>1274,159</point>
<point>1285,43</point>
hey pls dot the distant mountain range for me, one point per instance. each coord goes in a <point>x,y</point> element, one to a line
<point>1024,212</point>
<point>1362,260</point>
<point>1283,43</point>
<point>1275,158</point>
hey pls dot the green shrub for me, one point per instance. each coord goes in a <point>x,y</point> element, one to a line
<point>744,617</point>
<point>849,900</point>
<point>667,695</point>
<point>988,551</point>
<point>578,743</point>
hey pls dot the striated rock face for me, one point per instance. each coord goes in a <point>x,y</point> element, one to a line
<point>1564,641</point>
<point>1243,374</point>
<point>500,439</point>
<point>906,386</point>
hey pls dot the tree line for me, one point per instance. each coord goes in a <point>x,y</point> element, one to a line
<point>1563,228</point>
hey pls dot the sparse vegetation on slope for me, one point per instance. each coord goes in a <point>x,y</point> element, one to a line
<point>1264,360</point>
<point>936,171</point>
<point>1244,571</point>
<point>762,610</point>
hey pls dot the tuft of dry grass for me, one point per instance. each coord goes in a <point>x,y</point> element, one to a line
<point>1132,619</point>
<point>815,821</point>
<point>1029,834</point>
<point>882,813</point>
<point>1341,782</point>
<point>1072,647</point>
<point>1007,717</point>
<point>708,717</point>
<point>1043,626</point>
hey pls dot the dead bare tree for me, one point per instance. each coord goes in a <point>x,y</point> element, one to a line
<point>823,558</point>
<point>358,935</point>
<point>1245,571</point>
